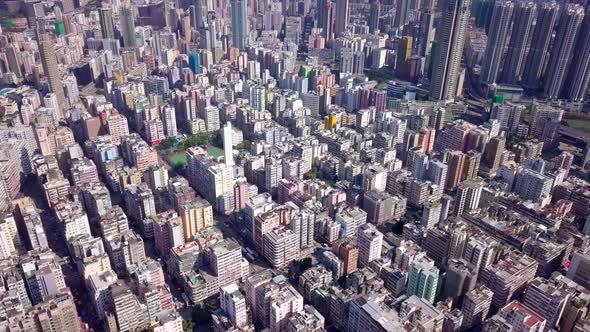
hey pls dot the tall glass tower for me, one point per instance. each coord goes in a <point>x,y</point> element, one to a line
<point>239,24</point>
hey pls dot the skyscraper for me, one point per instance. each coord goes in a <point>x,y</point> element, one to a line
<point>401,13</point>
<point>449,49</point>
<point>579,75</point>
<point>127,22</point>
<point>482,12</point>
<point>13,60</point>
<point>239,24</point>
<point>105,15</point>
<point>228,145</point>
<point>199,13</point>
<point>535,64</point>
<point>404,53</point>
<point>52,73</point>
<point>374,16</point>
<point>562,52</point>
<point>342,16</point>
<point>325,18</point>
<point>499,27</point>
<point>425,31</point>
<point>524,15</point>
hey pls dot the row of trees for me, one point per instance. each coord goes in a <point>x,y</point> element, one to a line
<point>192,140</point>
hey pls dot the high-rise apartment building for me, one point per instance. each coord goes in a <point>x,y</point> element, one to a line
<point>476,306</point>
<point>43,276</point>
<point>425,34</point>
<point>370,241</point>
<point>547,298</point>
<point>348,253</point>
<point>521,318</point>
<point>325,18</point>
<point>210,179</point>
<point>98,286</point>
<point>54,78</point>
<point>281,246</point>
<point>579,270</point>
<point>128,310</point>
<point>273,173</point>
<point>302,223</point>
<point>497,34</point>
<point>54,315</point>
<point>342,17</point>
<point>126,251</point>
<point>562,51</point>
<point>423,279</point>
<point>437,172</point>
<point>431,214</point>
<point>578,80</point>
<point>84,172</point>
<point>509,277</point>
<point>456,166</point>
<point>468,196</point>
<point>490,161</point>
<point>127,26</point>
<point>532,185</point>
<point>449,49</point>
<point>168,117</point>
<point>117,127</point>
<point>139,202</point>
<point>523,18</point>
<point>481,251</point>
<point>233,303</point>
<point>195,215</point>
<point>168,231</point>
<point>547,17</point>
<point>239,24</point>
<point>284,302</point>
<point>402,9</point>
<point>105,16</point>
<point>543,113</point>
<point>228,153</point>
<point>374,16</point>
<point>226,262</point>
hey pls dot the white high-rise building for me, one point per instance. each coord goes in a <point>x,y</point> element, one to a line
<point>8,237</point>
<point>468,196</point>
<point>225,259</point>
<point>287,302</point>
<point>370,241</point>
<point>281,246</point>
<point>98,286</point>
<point>431,214</point>
<point>437,172</point>
<point>227,145</point>
<point>168,116</point>
<point>233,303</point>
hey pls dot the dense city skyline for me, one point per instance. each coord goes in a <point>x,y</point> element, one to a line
<point>294,165</point>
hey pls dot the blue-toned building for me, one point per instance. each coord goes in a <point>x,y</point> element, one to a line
<point>194,62</point>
